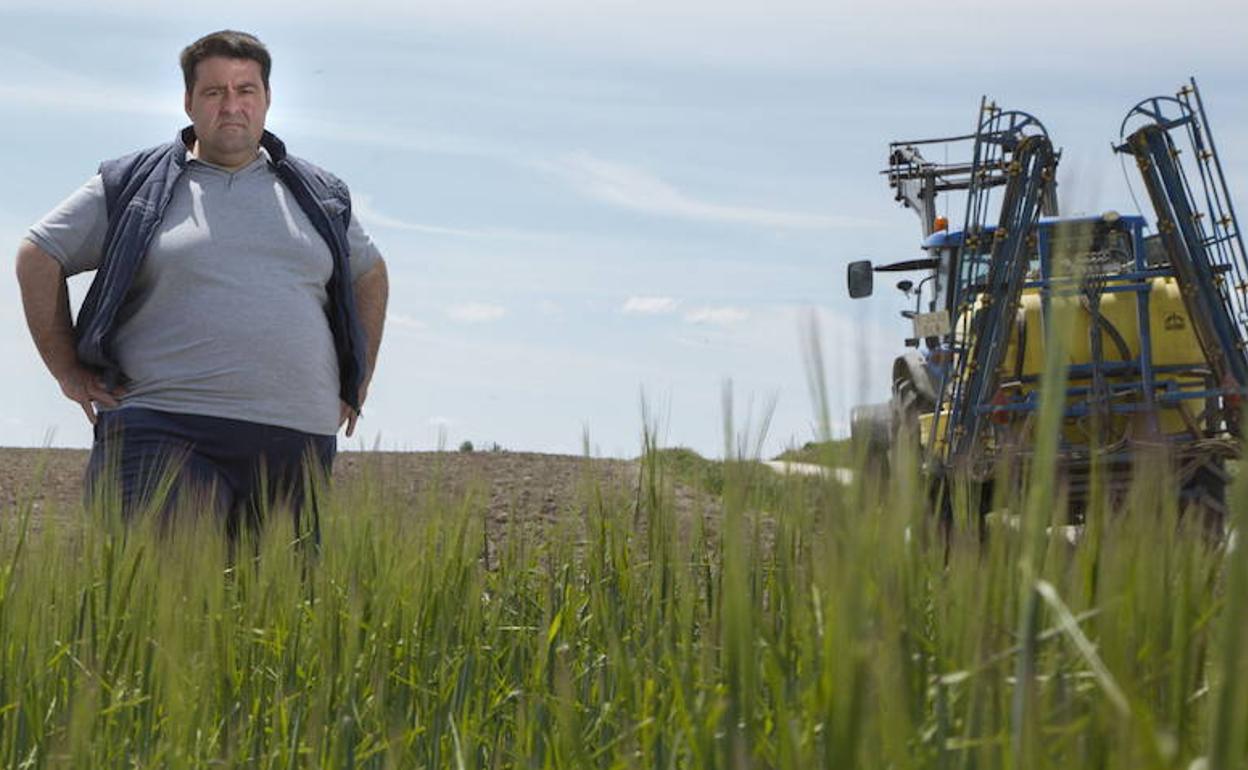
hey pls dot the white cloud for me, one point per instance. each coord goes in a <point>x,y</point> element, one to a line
<point>85,98</point>
<point>650,305</point>
<point>633,188</point>
<point>377,133</point>
<point>362,206</point>
<point>36,82</point>
<point>718,316</point>
<point>406,321</point>
<point>780,33</point>
<point>475,312</point>
<point>548,308</point>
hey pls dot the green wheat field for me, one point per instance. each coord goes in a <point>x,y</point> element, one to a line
<point>781,622</point>
<point>799,623</point>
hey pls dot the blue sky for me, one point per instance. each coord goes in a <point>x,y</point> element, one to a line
<point>584,202</point>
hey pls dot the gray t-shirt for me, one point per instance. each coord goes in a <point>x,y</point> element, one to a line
<point>227,316</point>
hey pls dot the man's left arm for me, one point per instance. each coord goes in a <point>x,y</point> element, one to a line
<point>372,290</point>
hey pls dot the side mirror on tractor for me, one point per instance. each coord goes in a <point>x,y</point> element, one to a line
<point>861,279</point>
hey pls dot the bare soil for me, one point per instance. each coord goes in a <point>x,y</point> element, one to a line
<point>533,487</point>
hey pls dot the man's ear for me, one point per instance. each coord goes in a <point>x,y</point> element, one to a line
<point>186,103</point>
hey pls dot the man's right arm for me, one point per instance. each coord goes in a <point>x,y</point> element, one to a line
<point>45,298</point>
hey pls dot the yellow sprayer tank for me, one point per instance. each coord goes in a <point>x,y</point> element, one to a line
<point>1174,343</point>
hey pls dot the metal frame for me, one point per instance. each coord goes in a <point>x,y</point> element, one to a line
<point>1012,150</point>
<point>1204,257</point>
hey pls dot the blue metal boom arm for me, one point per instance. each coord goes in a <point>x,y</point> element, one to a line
<point>1203,244</point>
<point>1031,167</point>
<point>1012,153</point>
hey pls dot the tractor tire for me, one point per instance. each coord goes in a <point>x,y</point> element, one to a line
<point>904,450</point>
<point>871,434</point>
<point>1203,496</point>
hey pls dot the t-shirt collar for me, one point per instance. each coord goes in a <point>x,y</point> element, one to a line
<point>272,150</point>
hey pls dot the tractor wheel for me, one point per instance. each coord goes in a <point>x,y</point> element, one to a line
<point>904,450</point>
<point>978,504</point>
<point>1204,497</point>
<point>871,434</point>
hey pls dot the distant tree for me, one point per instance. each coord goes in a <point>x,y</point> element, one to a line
<point>466,446</point>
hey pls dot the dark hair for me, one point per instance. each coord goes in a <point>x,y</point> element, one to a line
<point>229,44</point>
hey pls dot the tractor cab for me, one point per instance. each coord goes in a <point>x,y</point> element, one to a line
<point>1111,242</point>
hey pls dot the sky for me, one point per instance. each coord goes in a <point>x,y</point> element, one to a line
<point>603,215</point>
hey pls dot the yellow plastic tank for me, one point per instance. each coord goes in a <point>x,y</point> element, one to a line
<point>1173,343</point>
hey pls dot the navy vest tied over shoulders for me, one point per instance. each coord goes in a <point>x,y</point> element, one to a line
<point>137,190</point>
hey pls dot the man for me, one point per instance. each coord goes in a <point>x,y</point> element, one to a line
<point>237,308</point>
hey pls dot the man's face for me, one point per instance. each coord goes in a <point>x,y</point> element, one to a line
<point>227,105</point>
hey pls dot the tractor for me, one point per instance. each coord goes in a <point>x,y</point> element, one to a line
<point>1158,313</point>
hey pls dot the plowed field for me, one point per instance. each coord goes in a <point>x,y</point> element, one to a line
<point>506,485</point>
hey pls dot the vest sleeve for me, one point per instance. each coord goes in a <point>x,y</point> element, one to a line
<point>73,232</point>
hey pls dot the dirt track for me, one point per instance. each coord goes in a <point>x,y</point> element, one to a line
<point>509,484</point>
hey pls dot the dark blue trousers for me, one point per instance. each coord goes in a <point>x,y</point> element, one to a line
<point>169,463</point>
